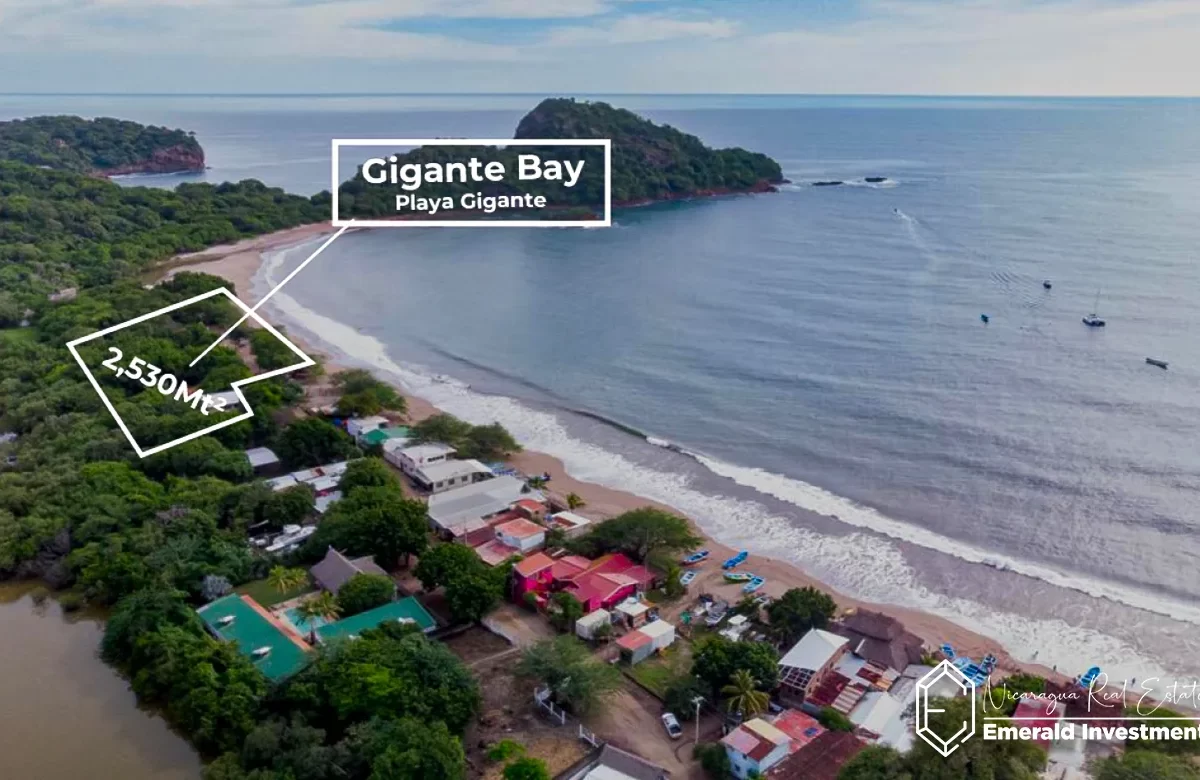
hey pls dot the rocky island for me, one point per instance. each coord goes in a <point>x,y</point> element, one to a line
<point>650,163</point>
<point>99,147</point>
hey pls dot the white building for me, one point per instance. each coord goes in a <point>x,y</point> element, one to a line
<point>358,426</point>
<point>262,459</point>
<point>754,747</point>
<point>585,627</point>
<point>463,510</point>
<point>409,459</point>
<point>449,474</point>
<point>522,535</point>
<point>569,523</point>
<point>802,668</point>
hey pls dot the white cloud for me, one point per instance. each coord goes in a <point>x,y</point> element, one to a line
<point>643,28</point>
<point>887,46</point>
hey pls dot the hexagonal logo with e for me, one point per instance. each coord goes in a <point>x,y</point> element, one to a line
<point>945,680</point>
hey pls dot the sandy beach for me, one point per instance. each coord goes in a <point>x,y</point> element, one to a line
<point>238,263</point>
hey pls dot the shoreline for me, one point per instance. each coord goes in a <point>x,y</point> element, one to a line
<point>240,262</point>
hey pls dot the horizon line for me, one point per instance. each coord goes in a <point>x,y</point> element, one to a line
<point>934,95</point>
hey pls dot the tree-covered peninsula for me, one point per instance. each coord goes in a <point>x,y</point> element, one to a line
<point>104,146</point>
<point>650,163</point>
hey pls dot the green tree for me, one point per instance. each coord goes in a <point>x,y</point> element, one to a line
<point>393,671</point>
<point>376,521</point>
<point>472,588</point>
<point>638,533</point>
<point>575,678</point>
<point>283,579</point>
<point>1145,765</point>
<point>798,611</point>
<point>505,749</point>
<point>140,613</point>
<point>312,442</point>
<point>574,501</point>
<point>323,606</point>
<point>834,720</point>
<point>681,693</point>
<point>482,442</point>
<point>527,768</point>
<point>288,506</point>
<point>715,659</point>
<point>363,395</point>
<point>975,759</point>
<point>714,760</point>
<point>742,695</point>
<point>565,610</point>
<point>408,749</point>
<point>365,591</point>
<point>875,762</point>
<point>367,472</point>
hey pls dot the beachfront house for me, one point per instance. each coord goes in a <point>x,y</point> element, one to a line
<point>360,426</point>
<point>335,570</point>
<point>754,747</point>
<point>409,459</point>
<point>381,436</point>
<point>804,666</point>
<point>880,639</point>
<point>569,523</point>
<point>449,474</point>
<point>456,513</point>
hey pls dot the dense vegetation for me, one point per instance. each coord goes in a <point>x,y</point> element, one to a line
<point>93,145</point>
<point>649,163</point>
<point>59,229</point>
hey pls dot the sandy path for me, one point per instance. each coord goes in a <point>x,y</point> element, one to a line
<point>239,262</point>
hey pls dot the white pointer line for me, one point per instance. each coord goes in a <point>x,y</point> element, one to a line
<point>274,290</point>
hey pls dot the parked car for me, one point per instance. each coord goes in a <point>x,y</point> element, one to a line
<point>671,724</point>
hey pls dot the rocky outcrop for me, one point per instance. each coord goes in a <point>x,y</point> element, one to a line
<point>172,159</point>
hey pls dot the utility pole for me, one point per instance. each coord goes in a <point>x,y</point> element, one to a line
<point>697,701</point>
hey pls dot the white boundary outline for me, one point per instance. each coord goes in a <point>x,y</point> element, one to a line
<point>237,386</point>
<point>335,182</point>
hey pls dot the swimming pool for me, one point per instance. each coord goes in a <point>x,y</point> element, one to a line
<point>302,625</point>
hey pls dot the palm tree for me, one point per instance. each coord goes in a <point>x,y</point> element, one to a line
<point>324,606</point>
<point>284,579</point>
<point>574,501</point>
<point>744,696</point>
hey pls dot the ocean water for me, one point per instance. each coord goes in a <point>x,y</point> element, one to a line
<point>817,354</point>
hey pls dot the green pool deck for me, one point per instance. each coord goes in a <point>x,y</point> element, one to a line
<point>354,625</point>
<point>253,628</point>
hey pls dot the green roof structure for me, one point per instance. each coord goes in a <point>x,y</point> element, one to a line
<point>239,618</point>
<point>380,435</point>
<point>404,609</point>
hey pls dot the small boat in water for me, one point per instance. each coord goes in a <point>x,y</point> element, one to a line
<point>754,584</point>
<point>694,558</point>
<point>736,560</point>
<point>984,319</point>
<point>1159,363</point>
<point>1046,284</point>
<point>738,577</point>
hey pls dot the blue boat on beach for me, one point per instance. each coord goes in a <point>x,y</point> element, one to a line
<point>694,558</point>
<point>754,584</point>
<point>1089,677</point>
<point>736,560</point>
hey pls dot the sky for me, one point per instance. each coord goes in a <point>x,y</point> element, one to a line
<point>931,47</point>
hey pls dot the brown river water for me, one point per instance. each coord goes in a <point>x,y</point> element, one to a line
<point>64,714</point>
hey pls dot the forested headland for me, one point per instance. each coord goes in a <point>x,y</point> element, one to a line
<point>103,146</point>
<point>650,163</point>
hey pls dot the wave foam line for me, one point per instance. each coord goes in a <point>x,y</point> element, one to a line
<point>862,565</point>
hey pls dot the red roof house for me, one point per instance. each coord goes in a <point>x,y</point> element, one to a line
<point>801,727</point>
<point>532,574</point>
<point>1039,713</point>
<point>601,590</point>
